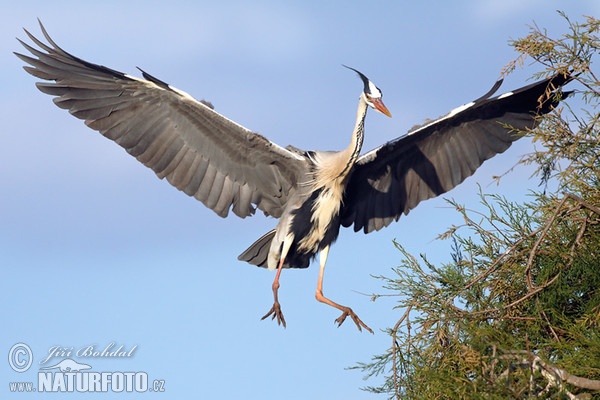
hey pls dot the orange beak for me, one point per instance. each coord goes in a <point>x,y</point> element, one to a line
<point>379,106</point>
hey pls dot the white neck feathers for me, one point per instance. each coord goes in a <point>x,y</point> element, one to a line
<point>333,167</point>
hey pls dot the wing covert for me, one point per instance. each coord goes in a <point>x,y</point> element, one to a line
<point>197,150</point>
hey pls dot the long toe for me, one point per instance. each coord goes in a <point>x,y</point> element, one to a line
<point>275,312</point>
<point>359,324</point>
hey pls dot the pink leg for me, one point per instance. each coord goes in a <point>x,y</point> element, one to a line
<point>276,309</point>
<point>346,311</point>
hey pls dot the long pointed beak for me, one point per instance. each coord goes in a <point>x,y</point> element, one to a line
<point>379,106</point>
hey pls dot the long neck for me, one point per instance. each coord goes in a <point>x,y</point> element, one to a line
<point>352,152</point>
<point>333,167</point>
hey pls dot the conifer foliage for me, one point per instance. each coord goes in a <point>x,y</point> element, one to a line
<point>515,312</point>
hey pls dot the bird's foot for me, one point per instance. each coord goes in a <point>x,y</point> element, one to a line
<point>275,311</point>
<point>347,311</point>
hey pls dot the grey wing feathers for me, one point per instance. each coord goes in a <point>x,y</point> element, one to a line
<point>197,150</point>
<point>391,180</point>
<point>258,253</point>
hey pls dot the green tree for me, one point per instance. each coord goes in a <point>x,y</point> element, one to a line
<point>516,312</point>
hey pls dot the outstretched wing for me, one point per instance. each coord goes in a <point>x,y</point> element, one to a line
<point>430,160</point>
<point>200,152</point>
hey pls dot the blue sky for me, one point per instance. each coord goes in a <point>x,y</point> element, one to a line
<point>96,250</point>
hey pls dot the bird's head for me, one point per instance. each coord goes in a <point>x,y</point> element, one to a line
<point>371,94</point>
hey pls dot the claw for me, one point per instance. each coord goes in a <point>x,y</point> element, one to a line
<point>276,312</point>
<point>359,324</point>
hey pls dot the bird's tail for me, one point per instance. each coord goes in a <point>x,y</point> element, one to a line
<point>258,253</point>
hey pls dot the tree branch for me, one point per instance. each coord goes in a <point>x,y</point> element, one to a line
<point>555,376</point>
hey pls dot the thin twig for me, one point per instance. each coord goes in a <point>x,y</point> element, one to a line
<point>549,324</point>
<point>583,202</point>
<point>533,251</point>
<point>516,302</point>
<point>395,349</point>
<point>493,267</point>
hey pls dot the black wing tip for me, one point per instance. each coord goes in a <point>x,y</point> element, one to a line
<point>556,81</point>
<point>490,92</point>
<point>56,52</point>
<point>561,79</point>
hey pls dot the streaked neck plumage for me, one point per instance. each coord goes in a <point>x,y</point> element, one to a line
<point>332,168</point>
<point>358,135</point>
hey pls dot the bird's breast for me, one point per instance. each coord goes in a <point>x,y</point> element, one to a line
<point>316,223</point>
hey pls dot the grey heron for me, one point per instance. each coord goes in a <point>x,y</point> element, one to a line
<point>312,193</point>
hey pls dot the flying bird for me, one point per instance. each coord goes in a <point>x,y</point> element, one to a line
<point>312,193</point>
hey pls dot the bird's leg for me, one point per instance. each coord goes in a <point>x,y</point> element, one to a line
<point>346,311</point>
<point>275,311</point>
